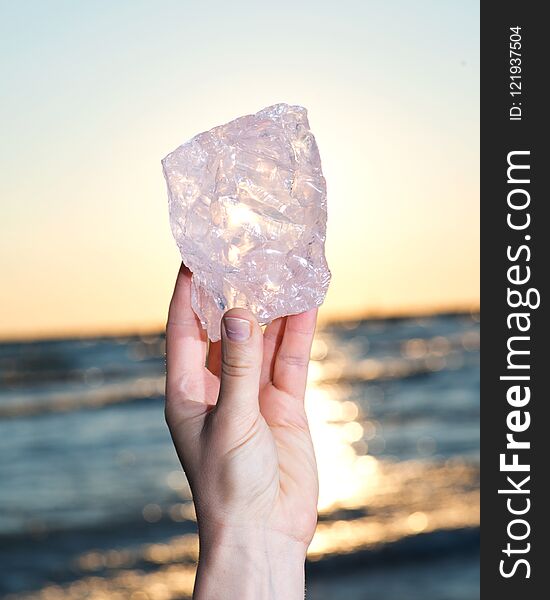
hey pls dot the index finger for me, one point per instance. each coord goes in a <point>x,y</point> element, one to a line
<point>185,337</point>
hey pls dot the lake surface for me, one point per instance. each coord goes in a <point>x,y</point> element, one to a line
<point>93,503</point>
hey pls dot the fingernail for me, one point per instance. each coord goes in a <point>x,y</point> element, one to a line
<point>238,330</point>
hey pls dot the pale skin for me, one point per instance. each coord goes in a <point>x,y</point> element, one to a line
<point>236,415</point>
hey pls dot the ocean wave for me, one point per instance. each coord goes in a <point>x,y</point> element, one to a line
<point>16,404</point>
<point>171,564</point>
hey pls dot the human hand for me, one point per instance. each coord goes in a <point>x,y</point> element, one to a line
<point>242,436</point>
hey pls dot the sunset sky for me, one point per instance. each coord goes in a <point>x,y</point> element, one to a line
<point>95,93</point>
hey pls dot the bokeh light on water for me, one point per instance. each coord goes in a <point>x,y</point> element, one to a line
<point>94,504</point>
<point>417,495</point>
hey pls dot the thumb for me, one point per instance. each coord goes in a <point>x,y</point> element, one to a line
<point>242,346</point>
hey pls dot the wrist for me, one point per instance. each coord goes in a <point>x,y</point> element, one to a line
<point>251,563</point>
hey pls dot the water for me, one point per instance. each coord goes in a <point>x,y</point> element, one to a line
<point>93,503</point>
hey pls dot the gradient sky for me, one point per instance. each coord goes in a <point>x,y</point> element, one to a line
<point>95,93</point>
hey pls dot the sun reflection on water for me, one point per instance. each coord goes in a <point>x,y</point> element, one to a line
<point>344,476</point>
<point>366,499</point>
<point>391,499</point>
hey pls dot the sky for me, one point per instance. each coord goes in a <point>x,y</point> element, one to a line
<point>95,93</point>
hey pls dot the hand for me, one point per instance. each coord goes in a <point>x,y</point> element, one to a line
<point>240,430</point>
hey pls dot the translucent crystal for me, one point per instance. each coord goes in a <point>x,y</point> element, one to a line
<point>248,211</point>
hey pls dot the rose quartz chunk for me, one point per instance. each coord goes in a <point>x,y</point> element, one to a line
<point>248,211</point>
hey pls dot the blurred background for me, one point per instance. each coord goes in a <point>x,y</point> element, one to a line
<point>93,503</point>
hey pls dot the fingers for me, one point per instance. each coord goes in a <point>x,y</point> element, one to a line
<point>185,338</point>
<point>291,362</point>
<point>273,335</point>
<point>241,363</point>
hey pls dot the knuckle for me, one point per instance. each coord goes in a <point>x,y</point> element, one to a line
<point>181,322</point>
<point>294,360</point>
<point>235,368</point>
<point>306,523</point>
<point>306,332</point>
<point>179,388</point>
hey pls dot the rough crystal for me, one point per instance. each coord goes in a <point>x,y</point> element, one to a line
<point>248,211</point>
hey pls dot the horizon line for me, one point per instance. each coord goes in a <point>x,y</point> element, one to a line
<point>123,332</point>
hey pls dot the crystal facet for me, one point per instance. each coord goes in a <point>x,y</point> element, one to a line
<point>248,211</point>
